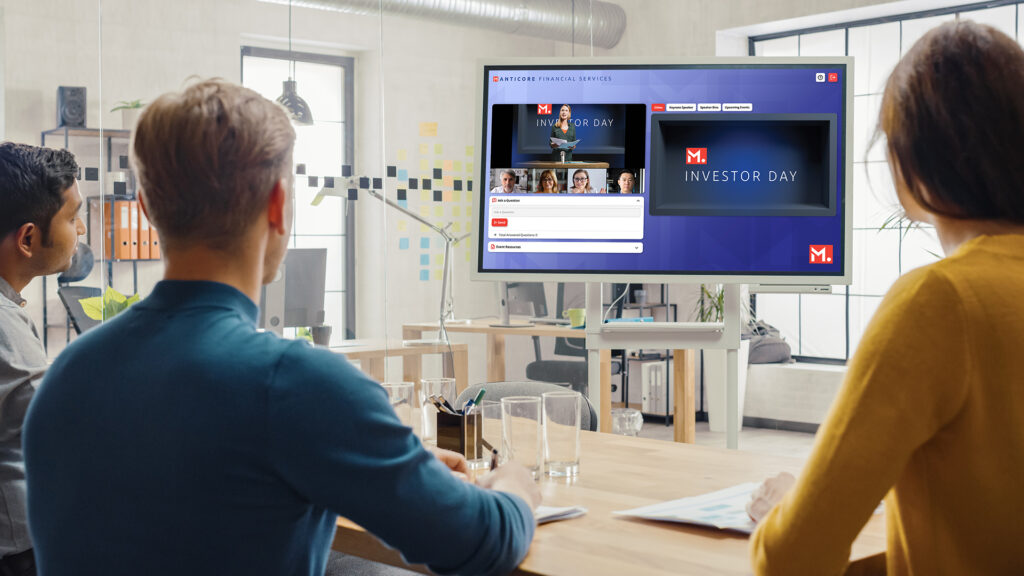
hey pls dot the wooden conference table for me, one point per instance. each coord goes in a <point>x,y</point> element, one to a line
<point>372,355</point>
<point>619,473</point>
<point>683,365</point>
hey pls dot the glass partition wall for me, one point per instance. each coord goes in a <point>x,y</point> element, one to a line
<point>390,94</point>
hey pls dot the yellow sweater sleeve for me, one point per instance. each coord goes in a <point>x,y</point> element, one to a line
<point>906,380</point>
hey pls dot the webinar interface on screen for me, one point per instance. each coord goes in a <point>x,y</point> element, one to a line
<point>664,170</point>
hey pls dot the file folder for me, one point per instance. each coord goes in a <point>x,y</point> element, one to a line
<point>154,243</point>
<point>133,229</point>
<point>122,230</point>
<point>144,252</point>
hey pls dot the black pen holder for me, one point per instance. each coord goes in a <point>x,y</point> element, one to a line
<point>462,434</point>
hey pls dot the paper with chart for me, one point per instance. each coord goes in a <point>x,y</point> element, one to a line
<point>724,509</point>
<point>563,144</point>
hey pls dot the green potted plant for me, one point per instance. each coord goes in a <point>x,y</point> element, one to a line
<point>130,110</point>
<point>107,306</point>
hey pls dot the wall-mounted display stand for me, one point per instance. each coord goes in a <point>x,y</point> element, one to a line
<point>670,335</point>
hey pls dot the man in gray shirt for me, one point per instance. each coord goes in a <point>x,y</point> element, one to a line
<point>39,230</point>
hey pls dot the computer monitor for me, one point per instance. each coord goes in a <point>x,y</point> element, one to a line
<point>715,170</point>
<point>527,298</point>
<point>296,297</point>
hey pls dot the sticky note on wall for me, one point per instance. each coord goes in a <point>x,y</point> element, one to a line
<point>428,129</point>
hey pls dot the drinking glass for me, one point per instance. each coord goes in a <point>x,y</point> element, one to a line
<point>520,427</point>
<point>627,421</point>
<point>428,412</point>
<point>401,394</point>
<point>562,432</point>
<point>489,413</point>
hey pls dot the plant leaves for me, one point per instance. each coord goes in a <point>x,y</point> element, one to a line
<point>107,306</point>
<point>93,307</point>
<point>113,295</point>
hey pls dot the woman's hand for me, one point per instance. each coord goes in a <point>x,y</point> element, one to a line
<point>553,145</point>
<point>768,494</point>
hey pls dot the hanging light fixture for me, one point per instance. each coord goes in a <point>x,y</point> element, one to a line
<point>297,108</point>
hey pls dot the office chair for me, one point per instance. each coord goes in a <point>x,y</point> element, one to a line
<point>70,296</point>
<point>498,390</point>
<point>568,372</point>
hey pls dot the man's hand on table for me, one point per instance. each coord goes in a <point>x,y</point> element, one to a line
<point>453,460</point>
<point>514,479</point>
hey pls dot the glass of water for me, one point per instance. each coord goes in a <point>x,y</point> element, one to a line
<point>562,432</point>
<point>520,426</point>
<point>400,394</point>
<point>444,387</point>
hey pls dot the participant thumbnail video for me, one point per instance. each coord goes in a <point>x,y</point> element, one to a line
<point>509,181</point>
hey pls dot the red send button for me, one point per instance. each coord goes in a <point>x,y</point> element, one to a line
<point>499,221</point>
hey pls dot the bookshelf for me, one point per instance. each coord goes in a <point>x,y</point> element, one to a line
<point>105,177</point>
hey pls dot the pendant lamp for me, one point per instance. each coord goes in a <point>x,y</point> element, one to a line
<point>297,108</point>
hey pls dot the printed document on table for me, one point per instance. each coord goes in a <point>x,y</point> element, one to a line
<point>724,509</point>
<point>563,144</point>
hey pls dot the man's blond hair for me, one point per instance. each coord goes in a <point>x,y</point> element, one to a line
<point>207,159</point>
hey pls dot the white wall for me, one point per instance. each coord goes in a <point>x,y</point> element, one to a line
<point>423,74</point>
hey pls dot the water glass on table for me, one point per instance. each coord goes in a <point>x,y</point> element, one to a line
<point>444,387</point>
<point>562,432</point>
<point>521,435</point>
<point>401,396</point>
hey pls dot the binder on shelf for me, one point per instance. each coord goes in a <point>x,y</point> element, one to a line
<point>122,230</point>
<point>154,243</point>
<point>104,214</point>
<point>133,229</point>
<point>144,252</point>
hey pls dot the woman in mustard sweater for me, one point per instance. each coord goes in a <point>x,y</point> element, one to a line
<point>931,415</point>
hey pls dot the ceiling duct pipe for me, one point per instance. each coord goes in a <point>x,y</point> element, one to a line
<point>548,19</point>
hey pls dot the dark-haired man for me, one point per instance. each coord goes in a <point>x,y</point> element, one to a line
<point>209,447</point>
<point>39,230</point>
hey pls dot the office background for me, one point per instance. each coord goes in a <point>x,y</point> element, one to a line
<point>393,97</point>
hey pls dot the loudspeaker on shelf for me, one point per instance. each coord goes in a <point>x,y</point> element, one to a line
<point>71,106</point>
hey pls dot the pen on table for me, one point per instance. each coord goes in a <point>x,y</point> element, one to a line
<point>474,401</point>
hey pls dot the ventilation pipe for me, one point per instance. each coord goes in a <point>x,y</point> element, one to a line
<point>548,19</point>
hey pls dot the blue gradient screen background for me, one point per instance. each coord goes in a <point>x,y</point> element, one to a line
<point>672,244</point>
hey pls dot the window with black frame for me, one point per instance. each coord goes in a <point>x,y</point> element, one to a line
<point>318,91</point>
<point>827,327</point>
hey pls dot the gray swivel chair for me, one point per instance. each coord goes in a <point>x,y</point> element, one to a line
<point>498,390</point>
<point>567,372</point>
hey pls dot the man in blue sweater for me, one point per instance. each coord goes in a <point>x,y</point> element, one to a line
<point>178,439</point>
